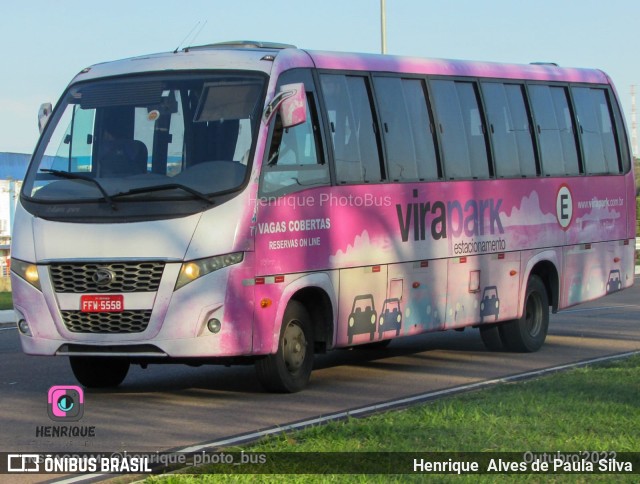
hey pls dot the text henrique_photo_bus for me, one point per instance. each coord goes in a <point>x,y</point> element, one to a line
<point>251,202</point>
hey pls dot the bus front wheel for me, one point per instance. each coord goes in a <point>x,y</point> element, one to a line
<point>527,334</point>
<point>96,372</point>
<point>289,369</point>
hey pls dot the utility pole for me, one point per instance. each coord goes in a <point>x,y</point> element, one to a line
<point>383,26</point>
<point>634,124</point>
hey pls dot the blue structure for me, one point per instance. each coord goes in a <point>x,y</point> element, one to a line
<point>13,166</point>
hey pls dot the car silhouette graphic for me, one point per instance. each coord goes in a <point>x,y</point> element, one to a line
<point>490,305</point>
<point>614,283</point>
<point>363,317</point>
<point>390,317</point>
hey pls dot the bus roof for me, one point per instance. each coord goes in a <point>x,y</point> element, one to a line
<point>197,58</point>
<point>461,68</point>
<point>262,56</point>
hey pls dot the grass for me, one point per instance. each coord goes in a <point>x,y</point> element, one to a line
<point>588,409</point>
<point>5,301</point>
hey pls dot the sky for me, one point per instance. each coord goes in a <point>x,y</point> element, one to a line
<point>45,43</point>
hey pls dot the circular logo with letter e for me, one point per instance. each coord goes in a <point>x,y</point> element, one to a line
<point>564,207</point>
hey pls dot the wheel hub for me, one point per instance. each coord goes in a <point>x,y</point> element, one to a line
<point>294,346</point>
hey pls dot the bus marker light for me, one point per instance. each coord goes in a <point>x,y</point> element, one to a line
<point>214,325</point>
<point>259,281</point>
<point>513,273</point>
<point>278,279</point>
<point>416,285</point>
<point>265,302</point>
<point>616,259</point>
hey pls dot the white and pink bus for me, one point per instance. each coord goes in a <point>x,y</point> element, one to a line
<point>255,202</point>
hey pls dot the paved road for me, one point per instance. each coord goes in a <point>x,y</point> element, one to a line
<point>174,406</point>
<point>7,316</point>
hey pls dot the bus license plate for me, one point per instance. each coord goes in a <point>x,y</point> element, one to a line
<point>103,303</point>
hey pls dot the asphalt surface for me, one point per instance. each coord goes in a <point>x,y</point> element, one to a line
<point>170,407</point>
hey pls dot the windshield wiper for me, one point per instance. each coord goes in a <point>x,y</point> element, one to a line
<point>167,186</point>
<point>77,176</point>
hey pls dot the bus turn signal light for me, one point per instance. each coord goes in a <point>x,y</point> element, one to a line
<point>265,302</point>
<point>26,270</point>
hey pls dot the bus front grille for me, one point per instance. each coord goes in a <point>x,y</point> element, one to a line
<point>107,323</point>
<point>110,277</point>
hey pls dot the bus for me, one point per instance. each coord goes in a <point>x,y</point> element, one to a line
<point>252,202</point>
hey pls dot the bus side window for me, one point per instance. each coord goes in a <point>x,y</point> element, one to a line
<point>461,129</point>
<point>596,130</point>
<point>555,130</point>
<point>622,142</point>
<point>295,156</point>
<point>352,128</point>
<point>510,129</point>
<point>406,128</point>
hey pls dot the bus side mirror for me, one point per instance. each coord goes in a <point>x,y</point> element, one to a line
<point>293,109</point>
<point>43,115</point>
<point>291,102</point>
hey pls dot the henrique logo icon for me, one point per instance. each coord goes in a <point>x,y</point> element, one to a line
<point>65,403</point>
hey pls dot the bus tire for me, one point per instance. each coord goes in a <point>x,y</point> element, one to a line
<point>289,369</point>
<point>96,372</point>
<point>490,335</point>
<point>527,334</point>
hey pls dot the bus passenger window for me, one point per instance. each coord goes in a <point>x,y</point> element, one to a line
<point>510,129</point>
<point>406,127</point>
<point>555,130</point>
<point>352,128</point>
<point>596,130</point>
<point>461,129</point>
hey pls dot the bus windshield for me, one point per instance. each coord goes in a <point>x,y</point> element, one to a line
<point>155,139</point>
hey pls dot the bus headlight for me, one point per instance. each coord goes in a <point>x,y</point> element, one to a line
<point>27,271</point>
<point>190,271</point>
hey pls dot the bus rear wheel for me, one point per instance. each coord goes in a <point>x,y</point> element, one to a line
<point>289,369</point>
<point>527,334</point>
<point>96,372</point>
<point>490,334</point>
